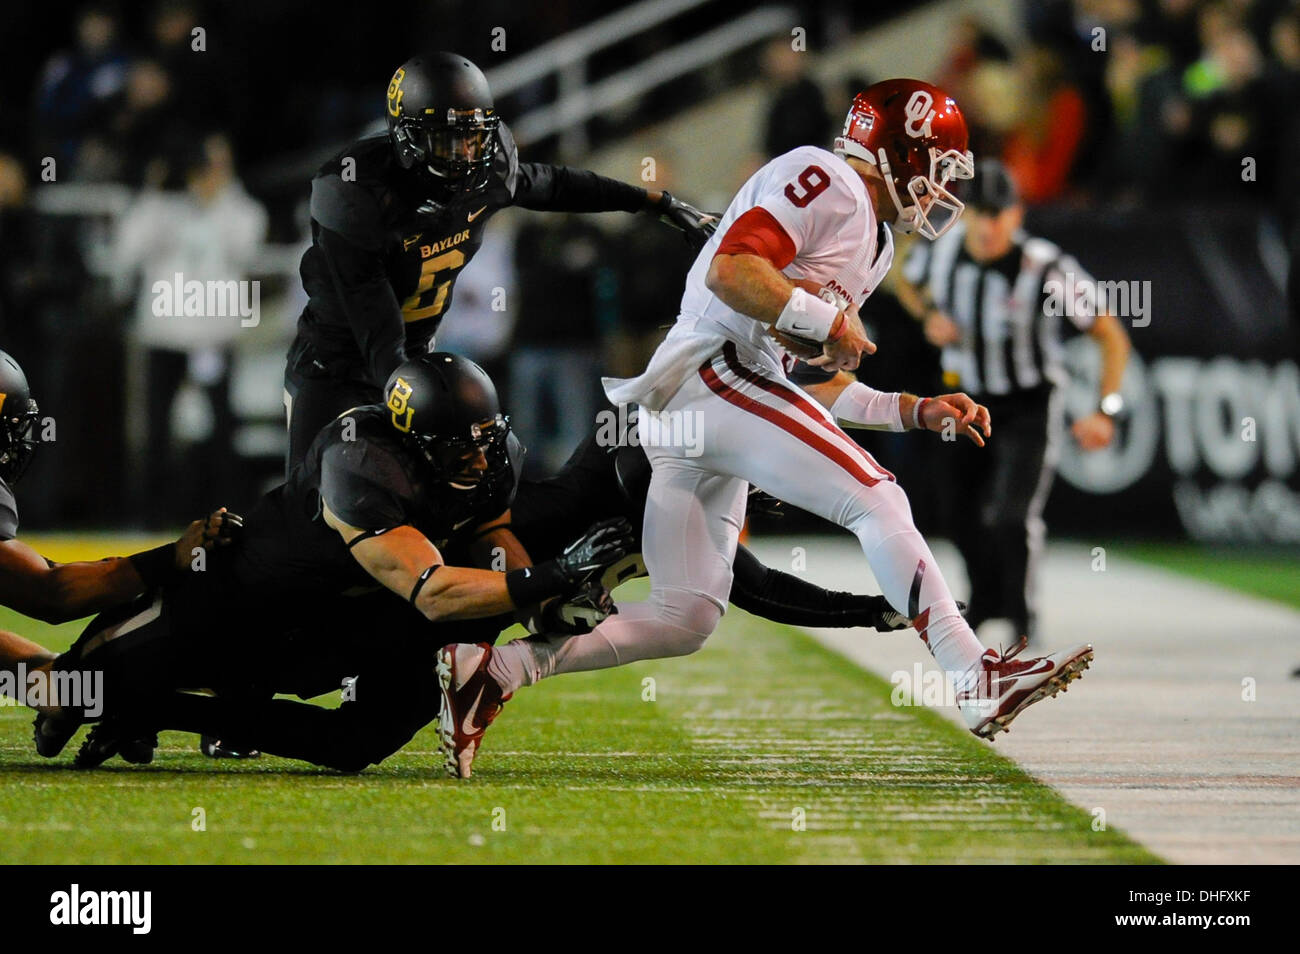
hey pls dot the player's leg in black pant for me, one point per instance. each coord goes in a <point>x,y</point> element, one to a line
<point>1016,491</point>
<point>968,469</point>
<point>386,707</point>
<point>312,402</point>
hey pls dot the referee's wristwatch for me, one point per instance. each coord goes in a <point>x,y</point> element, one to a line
<point>1112,404</point>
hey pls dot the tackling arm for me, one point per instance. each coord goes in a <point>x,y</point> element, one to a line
<point>406,562</point>
<point>58,592</point>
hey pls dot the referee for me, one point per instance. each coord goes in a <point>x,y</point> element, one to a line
<point>987,295</point>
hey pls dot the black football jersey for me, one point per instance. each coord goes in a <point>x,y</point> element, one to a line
<point>8,512</point>
<point>382,268</point>
<point>370,479</point>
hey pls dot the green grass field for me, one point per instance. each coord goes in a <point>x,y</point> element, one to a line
<point>761,729</point>
<point>1273,573</point>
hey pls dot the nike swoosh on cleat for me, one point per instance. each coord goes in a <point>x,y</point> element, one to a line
<point>467,723</point>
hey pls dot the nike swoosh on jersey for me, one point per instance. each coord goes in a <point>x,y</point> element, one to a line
<point>467,724</point>
<point>474,215</point>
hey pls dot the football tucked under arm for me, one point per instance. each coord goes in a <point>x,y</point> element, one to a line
<point>802,347</point>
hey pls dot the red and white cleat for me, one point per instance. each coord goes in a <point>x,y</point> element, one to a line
<point>1005,686</point>
<point>471,699</point>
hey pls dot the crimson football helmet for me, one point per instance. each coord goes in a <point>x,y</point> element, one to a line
<point>915,134</point>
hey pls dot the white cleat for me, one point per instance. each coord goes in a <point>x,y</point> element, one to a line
<point>1005,686</point>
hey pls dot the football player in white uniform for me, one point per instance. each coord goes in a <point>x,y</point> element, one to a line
<point>801,246</point>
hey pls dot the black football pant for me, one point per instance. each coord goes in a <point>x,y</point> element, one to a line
<point>997,513</point>
<point>188,637</point>
<point>312,402</point>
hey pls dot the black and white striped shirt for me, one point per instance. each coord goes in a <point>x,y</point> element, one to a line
<point>1009,310</point>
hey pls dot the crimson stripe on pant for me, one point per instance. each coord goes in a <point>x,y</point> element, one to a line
<point>797,400</point>
<point>787,424</point>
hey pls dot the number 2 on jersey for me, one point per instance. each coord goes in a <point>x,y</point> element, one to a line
<point>412,310</point>
<point>813,181</point>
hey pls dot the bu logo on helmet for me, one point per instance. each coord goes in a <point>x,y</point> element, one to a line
<point>919,114</point>
<point>395,93</point>
<point>397,403</point>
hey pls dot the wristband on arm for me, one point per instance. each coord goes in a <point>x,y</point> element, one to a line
<point>531,585</point>
<point>155,566</point>
<point>916,411</point>
<point>807,316</point>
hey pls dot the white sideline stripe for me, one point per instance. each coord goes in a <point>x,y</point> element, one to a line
<point>1156,732</point>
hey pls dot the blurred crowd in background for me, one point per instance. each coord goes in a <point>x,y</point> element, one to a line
<point>212,155</point>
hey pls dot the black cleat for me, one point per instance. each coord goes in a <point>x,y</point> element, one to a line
<point>214,748</point>
<point>109,738</point>
<point>51,733</point>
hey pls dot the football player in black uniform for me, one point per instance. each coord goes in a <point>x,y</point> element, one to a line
<point>603,480</point>
<point>396,216</point>
<point>58,592</point>
<point>358,477</point>
<point>384,495</point>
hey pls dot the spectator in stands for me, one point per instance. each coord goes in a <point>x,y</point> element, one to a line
<point>566,296</point>
<point>975,61</point>
<point>797,113</point>
<point>1149,115</point>
<point>1229,109</point>
<point>77,85</point>
<point>1043,146</point>
<point>144,118</point>
<point>1283,85</point>
<point>195,76</point>
<point>210,231</point>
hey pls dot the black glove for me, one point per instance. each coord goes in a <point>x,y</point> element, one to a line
<point>695,226</point>
<point>603,544</point>
<point>583,560</point>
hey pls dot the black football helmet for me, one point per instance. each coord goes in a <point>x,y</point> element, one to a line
<point>442,120</point>
<point>446,406</point>
<point>18,417</point>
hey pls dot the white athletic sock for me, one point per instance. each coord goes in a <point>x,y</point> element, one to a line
<point>671,623</point>
<point>910,579</point>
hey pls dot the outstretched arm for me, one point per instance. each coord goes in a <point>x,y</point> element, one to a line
<point>548,188</point>
<point>58,592</point>
<point>404,560</point>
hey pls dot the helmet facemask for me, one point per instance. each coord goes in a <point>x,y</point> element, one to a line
<point>452,459</point>
<point>18,441</point>
<point>933,209</point>
<point>457,150</point>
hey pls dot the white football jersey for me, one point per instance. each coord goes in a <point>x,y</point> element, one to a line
<point>823,206</point>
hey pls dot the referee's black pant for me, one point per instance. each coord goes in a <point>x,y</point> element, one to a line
<point>997,518</point>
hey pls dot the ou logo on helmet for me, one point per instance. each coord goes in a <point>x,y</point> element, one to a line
<point>919,112</point>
